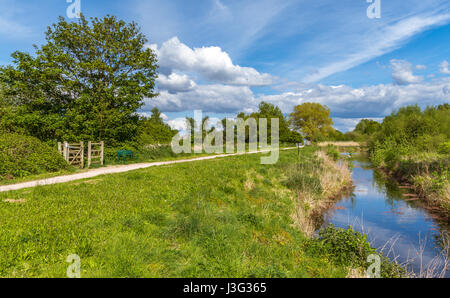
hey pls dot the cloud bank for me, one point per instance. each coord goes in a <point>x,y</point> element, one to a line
<point>210,63</point>
<point>228,88</point>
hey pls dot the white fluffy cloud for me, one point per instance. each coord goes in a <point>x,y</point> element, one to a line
<point>230,91</point>
<point>345,102</point>
<point>444,67</point>
<point>175,83</point>
<point>369,101</point>
<point>178,124</point>
<point>402,73</point>
<point>209,98</point>
<point>164,117</point>
<point>211,63</point>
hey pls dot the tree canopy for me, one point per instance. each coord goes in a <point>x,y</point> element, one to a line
<point>268,111</point>
<point>86,82</point>
<point>313,120</point>
<point>153,130</point>
<point>424,130</point>
<point>367,127</point>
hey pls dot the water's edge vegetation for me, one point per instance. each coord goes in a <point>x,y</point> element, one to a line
<point>412,146</point>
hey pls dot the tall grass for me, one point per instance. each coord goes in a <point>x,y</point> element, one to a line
<point>316,181</point>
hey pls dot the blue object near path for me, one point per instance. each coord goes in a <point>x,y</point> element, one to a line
<point>123,155</point>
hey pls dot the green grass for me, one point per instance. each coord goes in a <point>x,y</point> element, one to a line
<point>152,153</point>
<point>228,217</point>
<point>155,155</point>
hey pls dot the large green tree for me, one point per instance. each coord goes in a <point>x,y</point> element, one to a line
<point>313,120</point>
<point>86,82</point>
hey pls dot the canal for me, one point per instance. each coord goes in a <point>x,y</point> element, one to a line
<point>397,223</point>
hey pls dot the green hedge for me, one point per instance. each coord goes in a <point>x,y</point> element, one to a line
<point>22,156</point>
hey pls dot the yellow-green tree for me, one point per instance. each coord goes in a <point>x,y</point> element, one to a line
<point>312,120</point>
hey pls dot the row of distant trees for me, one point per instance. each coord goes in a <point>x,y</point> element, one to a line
<point>90,78</point>
<point>311,119</point>
<point>410,128</point>
<point>266,111</point>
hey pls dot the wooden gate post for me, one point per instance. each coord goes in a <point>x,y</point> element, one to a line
<point>89,153</point>
<point>66,151</point>
<point>102,146</point>
<point>82,154</point>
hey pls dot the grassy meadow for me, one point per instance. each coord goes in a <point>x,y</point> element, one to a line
<point>230,217</point>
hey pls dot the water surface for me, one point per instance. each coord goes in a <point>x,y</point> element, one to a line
<point>408,230</point>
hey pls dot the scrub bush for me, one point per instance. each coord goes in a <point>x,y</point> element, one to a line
<point>22,156</point>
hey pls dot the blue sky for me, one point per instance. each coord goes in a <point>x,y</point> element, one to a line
<point>225,56</point>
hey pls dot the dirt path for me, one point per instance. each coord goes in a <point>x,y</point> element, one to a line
<point>113,170</point>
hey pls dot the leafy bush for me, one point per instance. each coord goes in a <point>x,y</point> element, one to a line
<point>350,248</point>
<point>345,246</point>
<point>153,130</point>
<point>410,131</point>
<point>413,145</point>
<point>390,152</point>
<point>21,156</point>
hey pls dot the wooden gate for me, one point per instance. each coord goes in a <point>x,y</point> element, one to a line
<point>73,153</point>
<point>95,151</point>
